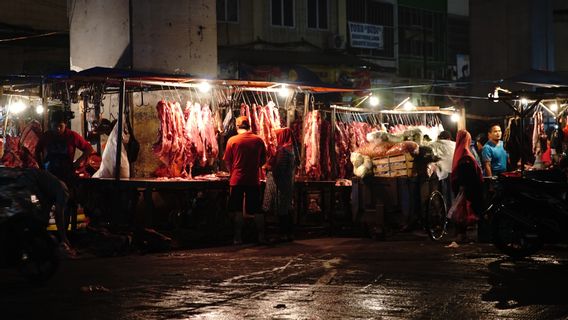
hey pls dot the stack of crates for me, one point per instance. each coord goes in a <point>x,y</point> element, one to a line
<point>393,166</point>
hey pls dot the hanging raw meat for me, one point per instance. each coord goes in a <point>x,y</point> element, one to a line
<point>208,136</point>
<point>255,123</point>
<point>312,143</point>
<point>30,136</point>
<point>192,127</point>
<point>325,158</point>
<point>11,156</point>
<point>277,121</point>
<point>342,152</point>
<point>267,132</point>
<point>162,148</point>
<point>245,111</point>
<point>171,145</point>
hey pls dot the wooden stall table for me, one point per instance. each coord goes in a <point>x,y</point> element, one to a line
<point>133,187</point>
<point>316,203</point>
<point>382,203</point>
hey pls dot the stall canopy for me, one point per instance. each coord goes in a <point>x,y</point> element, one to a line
<point>142,78</point>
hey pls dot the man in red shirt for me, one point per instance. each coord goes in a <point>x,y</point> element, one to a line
<point>55,152</point>
<point>56,149</point>
<point>244,156</point>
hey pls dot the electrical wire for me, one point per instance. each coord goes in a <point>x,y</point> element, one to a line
<point>31,37</point>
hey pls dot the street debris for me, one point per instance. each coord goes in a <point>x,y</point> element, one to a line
<point>453,245</point>
<point>94,288</point>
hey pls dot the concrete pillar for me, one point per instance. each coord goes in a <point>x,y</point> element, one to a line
<point>174,36</point>
<point>99,34</point>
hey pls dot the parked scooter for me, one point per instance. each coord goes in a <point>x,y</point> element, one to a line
<point>25,243</point>
<point>528,212</point>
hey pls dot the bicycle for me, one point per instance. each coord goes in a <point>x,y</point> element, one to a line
<point>437,222</point>
<point>436,219</point>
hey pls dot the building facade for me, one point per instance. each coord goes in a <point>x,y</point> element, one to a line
<point>512,38</point>
<point>363,44</point>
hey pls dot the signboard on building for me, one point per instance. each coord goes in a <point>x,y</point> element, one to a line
<point>369,36</point>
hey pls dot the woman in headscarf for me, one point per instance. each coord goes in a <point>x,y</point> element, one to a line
<point>283,165</point>
<point>466,175</point>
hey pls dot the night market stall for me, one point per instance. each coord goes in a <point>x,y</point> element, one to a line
<point>384,150</point>
<point>144,105</point>
<point>179,179</point>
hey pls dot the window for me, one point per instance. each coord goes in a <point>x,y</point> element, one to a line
<point>228,10</point>
<point>282,13</point>
<point>422,33</point>
<point>317,14</point>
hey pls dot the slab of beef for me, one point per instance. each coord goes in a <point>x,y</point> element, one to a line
<point>325,158</point>
<point>30,136</point>
<point>171,145</point>
<point>208,137</point>
<point>311,140</point>
<point>255,122</point>
<point>342,152</point>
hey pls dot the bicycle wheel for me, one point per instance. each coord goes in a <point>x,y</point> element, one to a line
<point>436,222</point>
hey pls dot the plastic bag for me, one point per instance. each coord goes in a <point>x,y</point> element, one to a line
<point>108,163</point>
<point>461,212</point>
<point>403,147</point>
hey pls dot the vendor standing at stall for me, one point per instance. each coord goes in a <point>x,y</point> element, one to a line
<point>55,153</point>
<point>494,156</point>
<point>244,156</point>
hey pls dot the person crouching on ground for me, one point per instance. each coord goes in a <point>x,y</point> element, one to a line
<point>51,192</point>
<point>244,156</point>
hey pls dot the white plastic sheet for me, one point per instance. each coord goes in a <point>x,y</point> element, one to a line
<point>108,163</point>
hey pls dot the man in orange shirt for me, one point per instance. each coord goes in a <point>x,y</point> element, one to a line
<point>244,156</point>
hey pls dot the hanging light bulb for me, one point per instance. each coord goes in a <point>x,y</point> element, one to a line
<point>374,101</point>
<point>204,87</point>
<point>524,101</point>
<point>455,117</point>
<point>408,106</point>
<point>284,92</point>
<point>39,109</point>
<point>554,107</point>
<point>17,107</point>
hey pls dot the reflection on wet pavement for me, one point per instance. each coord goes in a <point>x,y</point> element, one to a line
<point>312,279</point>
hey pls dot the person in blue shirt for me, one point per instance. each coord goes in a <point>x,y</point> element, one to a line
<point>494,156</point>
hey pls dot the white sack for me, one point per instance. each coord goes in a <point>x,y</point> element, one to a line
<point>108,163</point>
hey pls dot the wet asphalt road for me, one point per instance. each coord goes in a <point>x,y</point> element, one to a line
<point>330,278</point>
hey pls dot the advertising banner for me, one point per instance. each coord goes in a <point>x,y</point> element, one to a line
<point>367,36</point>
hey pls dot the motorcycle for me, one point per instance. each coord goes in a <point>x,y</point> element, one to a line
<point>25,243</point>
<point>529,211</point>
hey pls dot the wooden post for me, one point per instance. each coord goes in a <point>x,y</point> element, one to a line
<point>45,117</point>
<point>301,142</point>
<point>84,123</point>
<point>334,173</point>
<point>462,122</point>
<point>120,126</point>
